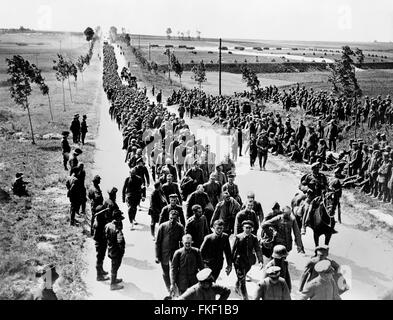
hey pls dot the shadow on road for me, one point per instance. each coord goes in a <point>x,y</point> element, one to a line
<point>133,292</point>
<point>139,264</point>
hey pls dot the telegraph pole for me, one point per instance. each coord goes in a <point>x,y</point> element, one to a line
<point>169,64</point>
<point>149,51</point>
<point>219,69</point>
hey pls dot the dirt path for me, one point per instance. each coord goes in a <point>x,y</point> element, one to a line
<point>366,257</point>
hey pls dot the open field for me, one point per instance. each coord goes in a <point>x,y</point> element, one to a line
<point>36,230</point>
<point>269,52</point>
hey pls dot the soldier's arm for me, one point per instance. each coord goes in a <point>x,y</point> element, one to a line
<point>124,190</point>
<point>285,292</point>
<point>175,267</point>
<point>308,292</point>
<point>298,237</point>
<point>258,250</point>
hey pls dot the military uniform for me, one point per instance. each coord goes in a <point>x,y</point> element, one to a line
<point>268,290</point>
<point>197,292</point>
<point>164,215</point>
<point>244,215</point>
<point>198,228</point>
<point>132,193</point>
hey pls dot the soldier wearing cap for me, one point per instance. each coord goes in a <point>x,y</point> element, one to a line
<point>19,186</point>
<point>100,220</point>
<point>321,253</point>
<point>142,172</point>
<point>157,203</point>
<point>83,128</point>
<point>200,197</point>
<point>243,256</point>
<point>49,275</point>
<point>73,159</point>
<point>164,215</point>
<point>355,159</point>
<point>315,181</point>
<point>336,186</point>
<point>168,238</point>
<point>111,203</point>
<point>186,263</point>
<point>332,134</point>
<point>75,128</point>
<point>133,192</point>
<point>65,148</point>
<point>272,287</point>
<point>171,187</point>
<point>323,287</point>
<point>279,256</point>
<point>384,173</point>
<point>205,289</point>
<point>95,196</point>
<point>116,247</point>
<point>74,193</point>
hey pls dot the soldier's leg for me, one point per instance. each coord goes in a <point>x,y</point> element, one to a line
<point>260,159</point>
<point>101,249</point>
<point>216,269</point>
<point>115,267</point>
<point>65,161</point>
<point>265,155</point>
<point>241,275</point>
<point>385,192</point>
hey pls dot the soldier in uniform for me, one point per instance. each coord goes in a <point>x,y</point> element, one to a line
<point>133,192</point>
<point>171,187</point>
<point>256,206</point>
<point>243,256</point>
<point>73,159</point>
<point>213,249</point>
<point>323,287</point>
<point>213,190</point>
<point>98,230</point>
<point>75,128</point>
<point>110,203</point>
<point>74,188</point>
<point>185,265</point>
<point>95,196</point>
<point>279,256</point>
<point>65,148</point>
<point>263,147</point>
<point>205,289</point>
<point>273,287</point>
<point>199,197</point>
<point>315,181</point>
<point>84,128</point>
<point>253,150</point>
<point>168,239</point>
<point>116,247</point>
<point>384,172</point>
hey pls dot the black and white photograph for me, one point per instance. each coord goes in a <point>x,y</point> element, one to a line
<point>196,150</point>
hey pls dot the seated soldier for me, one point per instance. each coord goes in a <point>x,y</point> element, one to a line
<point>19,186</point>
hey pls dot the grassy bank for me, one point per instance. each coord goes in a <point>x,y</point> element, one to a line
<point>35,230</point>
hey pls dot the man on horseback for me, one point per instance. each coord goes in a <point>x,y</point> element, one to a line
<point>315,181</point>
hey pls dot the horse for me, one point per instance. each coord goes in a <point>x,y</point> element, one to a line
<point>320,211</point>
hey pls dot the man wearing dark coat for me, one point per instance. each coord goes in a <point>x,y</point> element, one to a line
<point>164,215</point>
<point>75,128</point>
<point>95,196</point>
<point>243,256</point>
<point>246,214</point>
<point>157,203</point>
<point>213,249</point>
<point>196,174</point>
<point>185,265</point>
<point>65,149</point>
<point>199,197</point>
<point>197,226</point>
<point>83,128</point>
<point>213,190</point>
<point>74,188</point>
<point>171,187</point>
<point>116,247</point>
<point>133,192</point>
<point>168,240</point>
<point>98,228</point>
<point>226,210</point>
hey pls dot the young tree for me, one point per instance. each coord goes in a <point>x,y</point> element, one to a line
<point>359,56</point>
<point>198,35</point>
<point>250,77</point>
<point>89,33</point>
<point>23,74</point>
<point>80,64</point>
<point>199,75</point>
<point>177,66</point>
<point>168,32</point>
<point>60,67</point>
<point>343,75</point>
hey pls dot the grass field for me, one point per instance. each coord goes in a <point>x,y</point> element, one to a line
<point>37,228</point>
<point>373,52</point>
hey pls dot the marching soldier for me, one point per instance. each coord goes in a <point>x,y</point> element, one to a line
<point>75,128</point>
<point>98,230</point>
<point>273,287</point>
<point>65,148</point>
<point>84,128</point>
<point>95,196</point>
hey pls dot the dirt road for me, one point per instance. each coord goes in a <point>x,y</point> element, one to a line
<point>364,255</point>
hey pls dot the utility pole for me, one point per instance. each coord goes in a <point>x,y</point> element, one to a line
<point>219,69</point>
<point>169,64</point>
<point>356,115</point>
<point>149,51</point>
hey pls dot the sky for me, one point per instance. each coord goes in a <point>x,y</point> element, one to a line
<point>329,20</point>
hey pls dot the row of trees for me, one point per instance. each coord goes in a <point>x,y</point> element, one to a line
<point>23,74</point>
<point>180,34</point>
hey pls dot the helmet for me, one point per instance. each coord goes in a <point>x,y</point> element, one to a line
<point>279,251</point>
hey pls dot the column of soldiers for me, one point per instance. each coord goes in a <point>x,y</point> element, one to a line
<point>191,245</point>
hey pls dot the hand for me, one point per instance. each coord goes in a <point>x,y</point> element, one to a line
<point>228,270</point>
<point>158,260</point>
